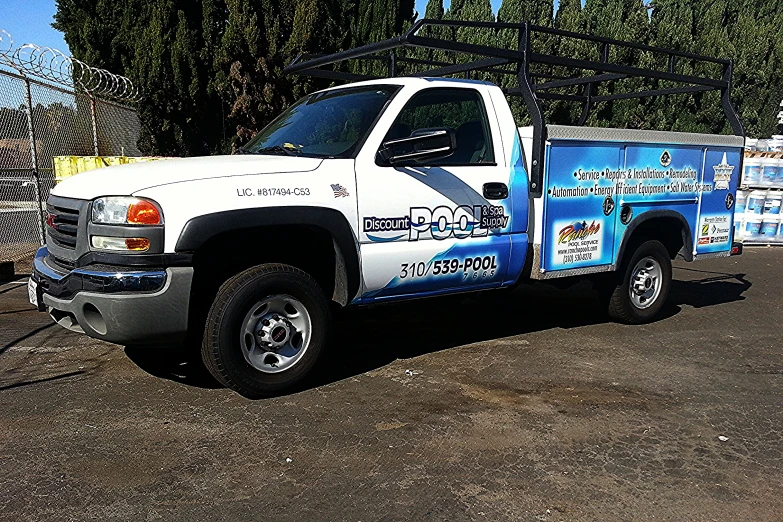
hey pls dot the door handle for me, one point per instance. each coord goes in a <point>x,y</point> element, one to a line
<point>495,190</point>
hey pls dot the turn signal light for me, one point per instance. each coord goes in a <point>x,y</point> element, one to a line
<point>142,212</point>
<point>138,244</point>
<point>135,244</point>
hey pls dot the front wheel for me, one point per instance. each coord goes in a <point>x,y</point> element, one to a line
<point>266,329</point>
<point>642,287</point>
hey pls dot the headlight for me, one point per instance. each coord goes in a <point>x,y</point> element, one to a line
<point>121,210</point>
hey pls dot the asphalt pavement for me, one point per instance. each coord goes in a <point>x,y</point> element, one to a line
<point>503,406</point>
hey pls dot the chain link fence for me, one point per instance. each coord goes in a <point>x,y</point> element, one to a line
<point>41,119</point>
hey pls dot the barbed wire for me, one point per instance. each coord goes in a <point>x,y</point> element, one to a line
<point>55,66</point>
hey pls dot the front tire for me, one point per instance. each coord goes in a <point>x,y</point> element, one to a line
<point>266,329</point>
<point>641,291</point>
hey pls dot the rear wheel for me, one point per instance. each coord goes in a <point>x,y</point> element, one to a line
<point>266,329</point>
<point>641,288</point>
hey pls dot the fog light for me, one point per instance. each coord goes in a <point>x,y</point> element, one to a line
<point>135,244</point>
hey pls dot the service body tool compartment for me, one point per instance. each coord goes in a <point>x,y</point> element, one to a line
<point>715,231</point>
<point>579,204</point>
<point>600,182</point>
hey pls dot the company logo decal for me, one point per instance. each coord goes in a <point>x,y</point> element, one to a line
<point>608,205</point>
<point>666,159</point>
<point>393,224</point>
<point>714,229</point>
<point>577,231</point>
<point>723,172</point>
<point>439,223</point>
<point>340,191</point>
<point>278,334</point>
<point>577,242</point>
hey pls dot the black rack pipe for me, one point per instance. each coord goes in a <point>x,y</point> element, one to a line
<point>493,59</point>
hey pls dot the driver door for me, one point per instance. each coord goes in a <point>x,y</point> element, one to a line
<point>439,225</point>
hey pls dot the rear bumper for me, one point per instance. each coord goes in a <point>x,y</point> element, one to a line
<point>122,305</point>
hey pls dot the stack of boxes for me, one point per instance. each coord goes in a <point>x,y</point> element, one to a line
<point>757,217</point>
<point>67,166</point>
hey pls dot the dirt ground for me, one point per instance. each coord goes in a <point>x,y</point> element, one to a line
<point>505,406</point>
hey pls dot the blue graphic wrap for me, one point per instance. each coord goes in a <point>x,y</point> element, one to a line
<point>499,253</point>
<point>518,191</point>
<point>589,183</point>
<point>577,233</point>
<point>451,270</point>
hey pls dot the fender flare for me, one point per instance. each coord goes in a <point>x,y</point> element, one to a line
<point>687,236</point>
<point>198,230</point>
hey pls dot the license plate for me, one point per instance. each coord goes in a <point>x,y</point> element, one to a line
<point>32,292</point>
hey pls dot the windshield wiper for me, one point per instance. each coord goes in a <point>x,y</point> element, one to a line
<point>277,149</point>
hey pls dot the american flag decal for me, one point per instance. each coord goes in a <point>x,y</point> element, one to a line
<point>340,191</point>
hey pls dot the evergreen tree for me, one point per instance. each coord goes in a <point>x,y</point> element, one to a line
<point>537,12</point>
<point>749,32</point>
<point>672,27</point>
<point>455,10</point>
<point>211,70</point>
<point>621,20</point>
<point>569,17</point>
<point>259,40</point>
<point>101,32</point>
<point>224,55</point>
<point>158,44</point>
<point>433,11</point>
<point>378,20</point>
<point>475,11</point>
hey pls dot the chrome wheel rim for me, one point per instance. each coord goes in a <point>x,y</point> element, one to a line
<point>645,284</point>
<point>275,333</point>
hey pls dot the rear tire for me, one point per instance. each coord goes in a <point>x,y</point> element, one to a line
<point>641,287</point>
<point>265,331</point>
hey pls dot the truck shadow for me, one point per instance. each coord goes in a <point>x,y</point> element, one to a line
<point>180,364</point>
<point>369,338</point>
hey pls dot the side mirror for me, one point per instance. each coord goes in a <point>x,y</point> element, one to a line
<point>421,145</point>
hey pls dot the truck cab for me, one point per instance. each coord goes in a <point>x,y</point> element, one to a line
<point>384,189</point>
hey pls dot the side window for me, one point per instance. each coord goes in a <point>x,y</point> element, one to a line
<point>461,110</point>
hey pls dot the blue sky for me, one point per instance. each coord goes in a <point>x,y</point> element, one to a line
<point>30,21</point>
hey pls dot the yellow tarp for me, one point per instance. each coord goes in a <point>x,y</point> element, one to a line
<point>67,166</point>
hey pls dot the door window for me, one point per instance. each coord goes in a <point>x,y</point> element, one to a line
<point>460,110</point>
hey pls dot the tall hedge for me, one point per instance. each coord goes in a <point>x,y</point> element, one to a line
<point>211,70</point>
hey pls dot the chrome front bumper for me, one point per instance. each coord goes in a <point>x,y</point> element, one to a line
<point>117,304</point>
<point>60,283</point>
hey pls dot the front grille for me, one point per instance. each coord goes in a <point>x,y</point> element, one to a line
<point>63,226</point>
<point>66,229</point>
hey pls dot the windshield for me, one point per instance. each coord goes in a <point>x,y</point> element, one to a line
<point>329,124</point>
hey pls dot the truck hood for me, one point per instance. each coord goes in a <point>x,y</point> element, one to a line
<point>128,179</point>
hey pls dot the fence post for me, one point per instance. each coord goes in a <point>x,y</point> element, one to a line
<point>93,114</point>
<point>34,159</point>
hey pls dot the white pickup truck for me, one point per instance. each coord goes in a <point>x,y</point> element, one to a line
<point>388,189</point>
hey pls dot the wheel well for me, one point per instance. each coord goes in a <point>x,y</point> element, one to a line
<point>308,248</point>
<point>672,231</point>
